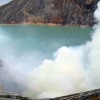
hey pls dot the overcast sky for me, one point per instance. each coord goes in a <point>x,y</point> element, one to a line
<point>4,1</point>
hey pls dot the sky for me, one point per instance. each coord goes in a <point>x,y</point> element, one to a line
<point>4,1</point>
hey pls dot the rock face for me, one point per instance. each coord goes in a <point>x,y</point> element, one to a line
<point>89,95</point>
<point>63,12</point>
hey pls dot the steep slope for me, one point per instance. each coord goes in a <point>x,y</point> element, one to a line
<point>64,12</point>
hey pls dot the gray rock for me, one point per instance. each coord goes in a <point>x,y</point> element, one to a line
<point>88,95</point>
<point>63,12</point>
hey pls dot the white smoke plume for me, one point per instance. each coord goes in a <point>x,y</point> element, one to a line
<point>72,69</point>
<point>64,75</point>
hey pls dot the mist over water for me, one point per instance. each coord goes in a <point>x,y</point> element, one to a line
<point>56,69</point>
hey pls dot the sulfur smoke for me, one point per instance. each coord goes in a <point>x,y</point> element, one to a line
<point>72,69</point>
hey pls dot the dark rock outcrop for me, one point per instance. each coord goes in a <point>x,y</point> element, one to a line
<point>89,95</point>
<point>12,96</point>
<point>63,12</point>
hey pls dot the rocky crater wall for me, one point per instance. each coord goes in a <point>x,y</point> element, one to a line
<point>61,12</point>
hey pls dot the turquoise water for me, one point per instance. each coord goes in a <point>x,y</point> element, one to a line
<point>46,39</point>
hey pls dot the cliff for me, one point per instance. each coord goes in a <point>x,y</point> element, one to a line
<point>89,95</point>
<point>63,12</point>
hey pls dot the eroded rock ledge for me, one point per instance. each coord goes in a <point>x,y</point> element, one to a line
<point>88,95</point>
<point>61,12</point>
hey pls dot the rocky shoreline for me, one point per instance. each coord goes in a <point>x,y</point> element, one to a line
<point>88,95</point>
<point>48,24</point>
